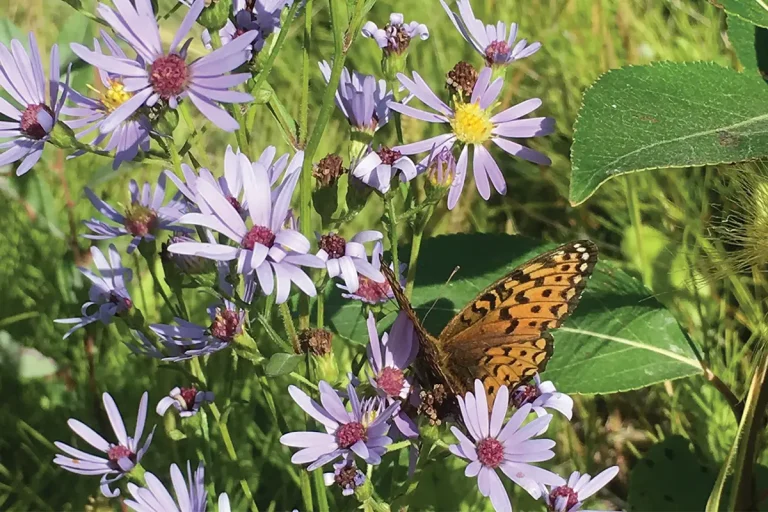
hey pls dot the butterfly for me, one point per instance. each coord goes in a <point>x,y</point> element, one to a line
<point>502,337</point>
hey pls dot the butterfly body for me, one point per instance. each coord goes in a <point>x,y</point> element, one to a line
<point>502,337</point>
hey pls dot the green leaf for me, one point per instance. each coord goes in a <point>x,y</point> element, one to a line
<point>619,338</point>
<point>750,44</point>
<point>8,31</point>
<point>670,477</point>
<point>28,362</point>
<point>753,11</point>
<point>666,115</point>
<point>76,29</point>
<point>282,364</point>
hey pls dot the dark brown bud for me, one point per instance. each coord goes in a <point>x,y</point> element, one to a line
<point>461,79</point>
<point>315,341</point>
<point>328,170</point>
<point>435,404</point>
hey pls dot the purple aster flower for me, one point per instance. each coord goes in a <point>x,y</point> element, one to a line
<point>168,76</point>
<point>108,292</point>
<point>345,475</point>
<point>542,395</point>
<point>377,168</point>
<point>266,251</point>
<point>191,495</point>
<point>396,35</point>
<point>263,18</point>
<point>192,340</point>
<point>362,99</point>
<point>122,456</point>
<point>369,290</point>
<point>185,400</point>
<point>347,259</point>
<point>130,135</point>
<point>142,220</point>
<point>490,41</point>
<point>473,125</point>
<point>509,448</point>
<point>569,497</point>
<point>22,77</point>
<point>361,432</point>
<point>389,357</point>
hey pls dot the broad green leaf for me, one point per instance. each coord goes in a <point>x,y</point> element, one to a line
<point>753,11</point>
<point>750,43</point>
<point>619,338</point>
<point>670,477</point>
<point>281,364</point>
<point>666,115</point>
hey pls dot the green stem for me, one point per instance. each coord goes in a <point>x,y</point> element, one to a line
<point>290,328</point>
<point>306,491</point>
<point>197,371</point>
<point>392,228</point>
<point>149,252</point>
<point>322,499</point>
<point>394,85</point>
<point>199,149</point>
<point>304,108</point>
<point>175,157</point>
<point>320,310</point>
<point>418,235</point>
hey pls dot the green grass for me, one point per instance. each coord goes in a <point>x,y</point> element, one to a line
<point>669,212</point>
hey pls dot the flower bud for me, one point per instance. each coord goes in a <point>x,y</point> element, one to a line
<point>441,170</point>
<point>63,137</point>
<point>461,80</point>
<point>215,14</point>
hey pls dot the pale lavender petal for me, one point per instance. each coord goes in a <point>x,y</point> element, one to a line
<point>513,148</point>
<point>458,181</point>
<point>598,482</point>
<point>500,405</point>
<point>516,111</point>
<point>311,407</point>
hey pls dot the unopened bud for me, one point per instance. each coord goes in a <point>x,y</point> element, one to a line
<point>215,15</point>
<point>461,79</point>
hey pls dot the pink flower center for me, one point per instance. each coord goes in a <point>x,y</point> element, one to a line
<point>490,452</point>
<point>524,394</point>
<point>566,492</point>
<point>497,53</point>
<point>122,303</point>
<point>388,156</point>
<point>225,325</point>
<point>232,200</point>
<point>333,244</point>
<point>259,235</point>
<point>118,452</point>
<point>371,291</point>
<point>169,76</point>
<point>140,220</point>
<point>30,125</point>
<point>350,433</point>
<point>189,395</point>
<point>391,380</point>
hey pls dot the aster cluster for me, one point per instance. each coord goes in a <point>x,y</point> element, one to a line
<point>228,239</point>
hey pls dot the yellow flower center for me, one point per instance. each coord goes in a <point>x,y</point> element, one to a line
<point>471,124</point>
<point>115,95</point>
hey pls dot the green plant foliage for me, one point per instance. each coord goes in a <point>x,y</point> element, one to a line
<point>750,43</point>
<point>753,11</point>
<point>666,115</point>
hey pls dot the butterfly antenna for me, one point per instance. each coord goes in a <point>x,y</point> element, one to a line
<point>455,269</point>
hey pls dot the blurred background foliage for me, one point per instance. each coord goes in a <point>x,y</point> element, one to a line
<point>655,225</point>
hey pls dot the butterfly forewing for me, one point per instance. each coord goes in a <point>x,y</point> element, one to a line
<point>502,337</point>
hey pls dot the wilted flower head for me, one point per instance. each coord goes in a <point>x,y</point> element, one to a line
<point>167,76</point>
<point>361,431</point>
<point>187,401</point>
<point>370,291</point>
<point>569,497</point>
<point>30,125</point>
<point>509,449</point>
<point>122,456</point>
<point>267,252</point>
<point>377,168</point>
<point>191,495</point>
<point>315,341</point>
<point>345,475</point>
<point>490,41</point>
<point>189,340</point>
<point>472,124</point>
<point>361,98</point>
<point>541,396</point>
<point>130,135</point>
<point>328,170</point>
<point>108,292</point>
<point>143,218</point>
<point>348,258</point>
<point>263,18</point>
<point>396,35</point>
<point>461,79</point>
